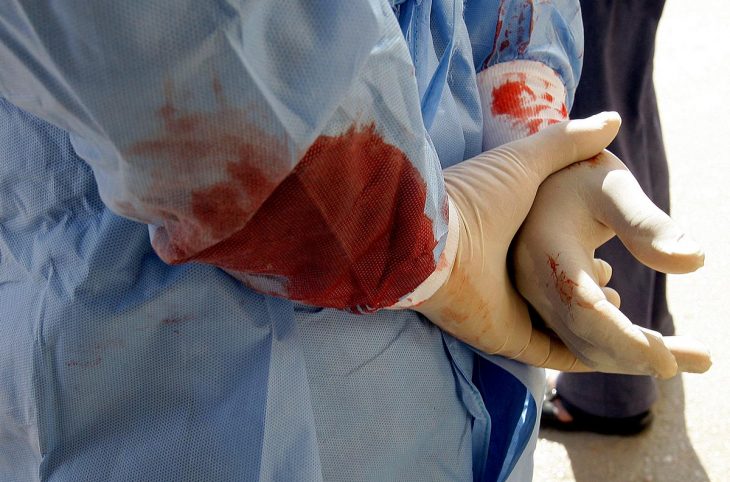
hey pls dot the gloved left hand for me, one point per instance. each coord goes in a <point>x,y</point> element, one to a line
<point>576,210</point>
<point>489,197</point>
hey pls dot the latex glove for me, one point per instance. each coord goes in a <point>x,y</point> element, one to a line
<point>575,211</point>
<point>490,196</point>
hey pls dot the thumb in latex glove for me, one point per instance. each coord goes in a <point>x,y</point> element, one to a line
<point>489,198</point>
<point>575,211</point>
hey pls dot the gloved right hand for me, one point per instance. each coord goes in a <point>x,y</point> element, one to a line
<point>576,210</point>
<point>490,196</point>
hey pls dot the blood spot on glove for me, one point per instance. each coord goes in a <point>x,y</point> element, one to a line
<point>563,285</point>
<point>345,228</point>
<point>593,162</point>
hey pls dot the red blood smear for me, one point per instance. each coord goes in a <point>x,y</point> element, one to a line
<point>202,143</point>
<point>592,162</point>
<point>563,284</point>
<point>517,100</point>
<point>345,228</point>
<point>497,31</point>
<point>553,264</point>
<point>524,40</point>
<point>564,111</point>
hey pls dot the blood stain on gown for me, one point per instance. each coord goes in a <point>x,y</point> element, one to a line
<point>345,228</point>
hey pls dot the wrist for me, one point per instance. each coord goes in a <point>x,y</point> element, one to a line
<point>441,274</point>
<point>519,98</point>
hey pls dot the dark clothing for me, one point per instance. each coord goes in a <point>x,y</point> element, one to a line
<point>617,75</point>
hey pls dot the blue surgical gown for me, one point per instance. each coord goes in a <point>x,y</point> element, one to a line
<point>199,201</point>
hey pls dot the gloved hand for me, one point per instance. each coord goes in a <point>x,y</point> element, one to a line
<point>576,210</point>
<point>490,196</point>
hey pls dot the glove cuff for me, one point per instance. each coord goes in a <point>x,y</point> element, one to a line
<point>519,98</point>
<point>442,272</point>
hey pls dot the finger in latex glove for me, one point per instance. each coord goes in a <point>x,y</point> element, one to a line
<point>576,210</point>
<point>490,196</point>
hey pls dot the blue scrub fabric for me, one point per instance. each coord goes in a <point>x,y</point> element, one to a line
<point>117,366</point>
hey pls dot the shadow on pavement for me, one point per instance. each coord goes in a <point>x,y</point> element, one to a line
<point>662,453</point>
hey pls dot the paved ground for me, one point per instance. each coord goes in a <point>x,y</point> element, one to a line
<point>691,437</point>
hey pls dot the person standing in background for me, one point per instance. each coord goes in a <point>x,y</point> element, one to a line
<point>617,75</point>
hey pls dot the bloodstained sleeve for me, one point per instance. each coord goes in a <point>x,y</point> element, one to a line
<point>528,69</point>
<point>270,139</point>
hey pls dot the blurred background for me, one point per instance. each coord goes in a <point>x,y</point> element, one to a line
<point>690,438</point>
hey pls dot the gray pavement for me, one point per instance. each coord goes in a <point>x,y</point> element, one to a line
<point>690,439</point>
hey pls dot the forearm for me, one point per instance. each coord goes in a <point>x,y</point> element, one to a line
<point>527,79</point>
<point>273,157</point>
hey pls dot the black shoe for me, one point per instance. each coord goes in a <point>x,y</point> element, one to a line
<point>585,422</point>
